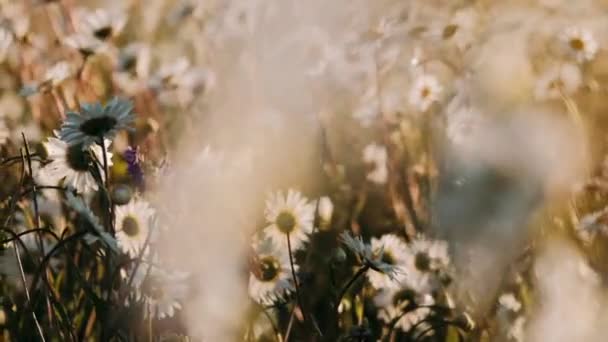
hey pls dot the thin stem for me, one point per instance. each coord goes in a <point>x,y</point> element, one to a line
<point>274,326</point>
<point>150,337</point>
<point>360,272</point>
<point>21,272</point>
<point>16,159</point>
<point>293,274</point>
<point>110,220</point>
<point>27,291</point>
<point>290,324</point>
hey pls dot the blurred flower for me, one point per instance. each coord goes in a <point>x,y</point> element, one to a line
<point>368,108</point>
<point>391,250</point>
<point>85,44</point>
<point>289,215</point>
<point>102,24</point>
<point>5,133</point>
<point>6,41</point>
<point>509,302</point>
<point>11,106</point>
<point>133,225</point>
<point>430,255</point>
<point>53,77</point>
<point>95,121</point>
<point>463,123</point>
<point>423,262</point>
<point>591,224</point>
<point>458,30</point>
<point>516,331</point>
<point>406,314</point>
<point>15,16</point>
<point>366,255</point>
<point>133,160</point>
<point>179,81</point>
<point>58,73</point>
<point>564,79</point>
<point>377,156</point>
<point>135,59</point>
<point>326,209</point>
<point>579,43</point>
<point>425,91</point>
<point>73,164</point>
<point>270,279</point>
<point>161,291</point>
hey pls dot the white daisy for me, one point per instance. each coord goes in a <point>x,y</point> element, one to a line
<point>326,210</point>
<point>160,290</point>
<point>395,310</point>
<point>6,41</point>
<point>377,156</point>
<point>179,81</point>
<point>424,259</point>
<point>462,125</point>
<point>5,133</point>
<point>133,224</point>
<point>425,91</point>
<point>368,109</point>
<point>458,30</point>
<point>394,252</point>
<point>591,224</point>
<point>87,45</point>
<point>58,73</point>
<point>270,278</point>
<point>564,79</point>
<point>516,331</point>
<point>366,256</point>
<point>102,24</point>
<point>579,43</point>
<point>291,215</point>
<point>430,255</point>
<point>72,164</point>
<point>53,77</point>
<point>509,302</point>
<point>135,60</point>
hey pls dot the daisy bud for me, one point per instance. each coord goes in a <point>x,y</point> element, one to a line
<point>121,194</point>
<point>340,255</point>
<point>325,209</point>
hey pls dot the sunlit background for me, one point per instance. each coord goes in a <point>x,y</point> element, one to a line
<point>283,170</point>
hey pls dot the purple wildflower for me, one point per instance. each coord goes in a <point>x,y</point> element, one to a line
<point>133,159</point>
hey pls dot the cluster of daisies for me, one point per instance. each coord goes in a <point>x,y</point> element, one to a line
<point>77,160</point>
<point>290,219</point>
<point>406,276</point>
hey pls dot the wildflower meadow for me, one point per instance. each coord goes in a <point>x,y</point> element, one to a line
<point>319,170</point>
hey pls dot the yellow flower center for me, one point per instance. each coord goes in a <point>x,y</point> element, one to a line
<point>425,92</point>
<point>577,44</point>
<point>423,262</point>
<point>78,159</point>
<point>130,226</point>
<point>388,258</point>
<point>286,222</point>
<point>449,31</point>
<point>268,269</point>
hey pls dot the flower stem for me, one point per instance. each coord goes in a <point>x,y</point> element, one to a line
<point>110,220</point>
<point>360,272</point>
<point>105,161</point>
<point>293,274</point>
